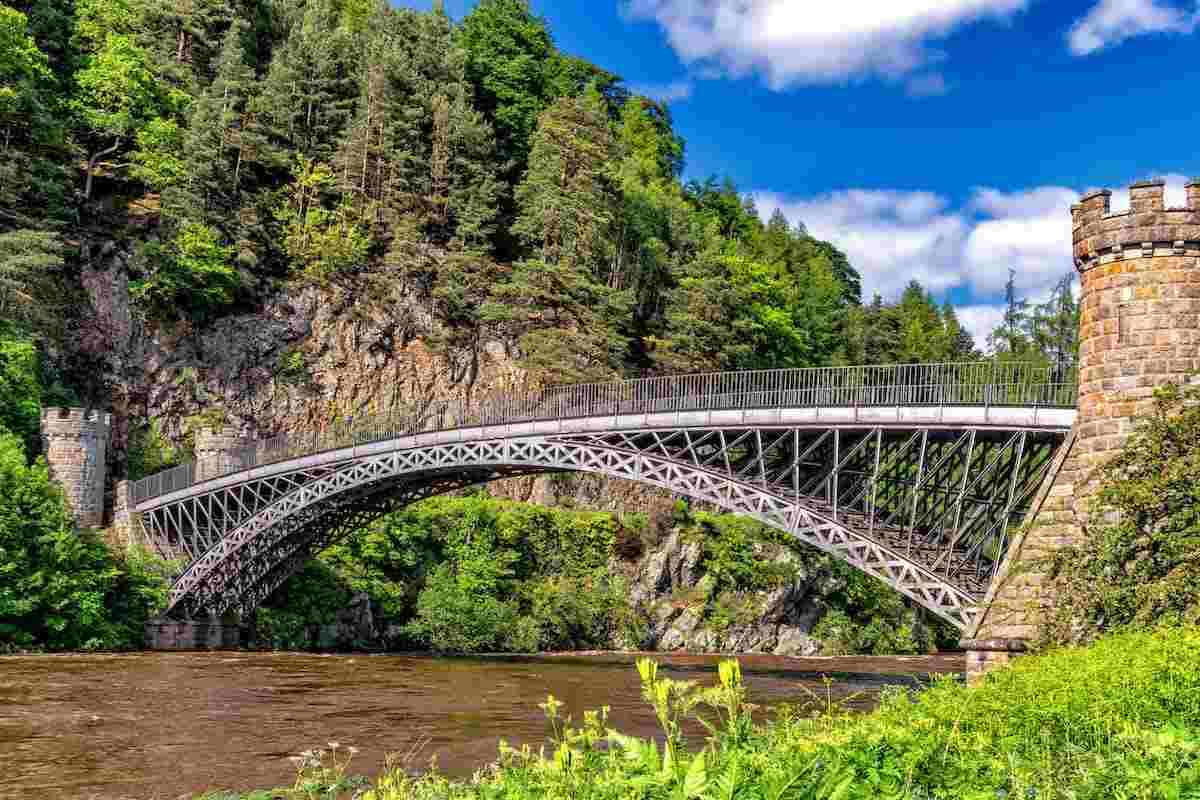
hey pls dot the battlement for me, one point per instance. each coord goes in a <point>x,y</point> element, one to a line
<point>76,423</point>
<point>1149,228</point>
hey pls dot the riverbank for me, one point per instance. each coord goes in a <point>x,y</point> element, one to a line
<point>1120,718</point>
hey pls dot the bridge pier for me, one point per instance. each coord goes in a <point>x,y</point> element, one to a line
<point>212,633</point>
<point>1139,330</point>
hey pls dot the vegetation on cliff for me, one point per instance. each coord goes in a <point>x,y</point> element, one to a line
<point>1117,719</point>
<point>479,574</point>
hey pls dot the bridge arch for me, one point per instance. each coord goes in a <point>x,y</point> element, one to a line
<point>914,483</point>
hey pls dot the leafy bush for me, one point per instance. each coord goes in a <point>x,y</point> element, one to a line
<point>190,276</point>
<point>149,452</point>
<point>310,598</point>
<point>1141,564</point>
<point>20,393</point>
<point>61,589</point>
<point>454,616</point>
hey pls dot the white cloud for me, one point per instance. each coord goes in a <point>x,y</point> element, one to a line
<point>892,237</point>
<point>1113,21</point>
<point>980,321</point>
<point>1174,196</point>
<point>802,43</point>
<point>1029,232</point>
<point>672,92</point>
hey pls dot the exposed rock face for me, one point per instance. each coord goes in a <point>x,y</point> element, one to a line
<point>666,585</point>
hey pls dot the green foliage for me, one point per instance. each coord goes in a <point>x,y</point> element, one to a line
<point>30,262</point>
<point>149,451</point>
<point>1139,561</point>
<point>320,240</point>
<point>910,331</point>
<point>26,85</point>
<point>158,158</point>
<point>191,276</point>
<point>309,598</point>
<point>458,611</point>
<point>21,393</point>
<point>61,589</point>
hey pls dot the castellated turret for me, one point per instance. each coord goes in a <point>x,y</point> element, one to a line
<point>1139,306</point>
<point>76,443</point>
<point>1139,329</point>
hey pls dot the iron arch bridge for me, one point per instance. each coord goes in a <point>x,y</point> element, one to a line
<point>915,474</point>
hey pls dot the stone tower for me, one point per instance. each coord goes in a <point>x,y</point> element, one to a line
<point>219,452</point>
<point>1139,329</point>
<point>76,444</point>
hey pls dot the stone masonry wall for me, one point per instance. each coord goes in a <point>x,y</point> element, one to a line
<point>219,452</point>
<point>75,442</point>
<point>1139,330</point>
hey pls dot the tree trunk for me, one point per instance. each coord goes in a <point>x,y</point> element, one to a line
<point>91,167</point>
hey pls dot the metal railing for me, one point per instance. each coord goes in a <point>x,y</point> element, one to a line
<point>953,384</point>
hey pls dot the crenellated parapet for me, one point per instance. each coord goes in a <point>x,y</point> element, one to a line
<point>75,441</point>
<point>1139,307</point>
<point>1148,228</point>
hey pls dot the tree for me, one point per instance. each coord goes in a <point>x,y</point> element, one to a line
<point>219,142</point>
<point>737,313</point>
<point>1009,338</point>
<point>29,261</point>
<point>320,236</point>
<point>27,102</point>
<point>1054,325</point>
<point>190,277</point>
<point>308,94</point>
<point>567,199</point>
<point>117,94</point>
<point>567,203</point>
<point>509,62</point>
<point>21,393</point>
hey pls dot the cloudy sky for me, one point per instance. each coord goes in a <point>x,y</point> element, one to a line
<point>938,139</point>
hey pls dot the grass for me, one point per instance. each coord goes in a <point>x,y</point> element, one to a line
<point>1117,720</point>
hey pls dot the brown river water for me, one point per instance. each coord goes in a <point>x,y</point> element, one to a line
<point>169,725</point>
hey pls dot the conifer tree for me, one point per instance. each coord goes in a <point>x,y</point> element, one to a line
<point>308,95</point>
<point>220,141</point>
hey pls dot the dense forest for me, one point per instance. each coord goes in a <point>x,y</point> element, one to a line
<point>509,190</point>
<point>263,142</point>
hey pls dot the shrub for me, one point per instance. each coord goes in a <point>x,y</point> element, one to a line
<point>1140,563</point>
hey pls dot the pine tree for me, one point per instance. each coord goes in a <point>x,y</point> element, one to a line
<point>309,93</point>
<point>220,141</point>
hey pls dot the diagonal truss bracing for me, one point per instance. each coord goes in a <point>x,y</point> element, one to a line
<point>926,509</point>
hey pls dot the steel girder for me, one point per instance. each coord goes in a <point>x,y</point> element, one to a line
<point>926,510</point>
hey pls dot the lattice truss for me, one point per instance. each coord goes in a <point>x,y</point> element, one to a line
<point>926,510</point>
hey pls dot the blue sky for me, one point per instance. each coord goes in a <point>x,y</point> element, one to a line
<point>937,139</point>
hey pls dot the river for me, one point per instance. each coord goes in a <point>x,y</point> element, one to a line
<point>168,725</point>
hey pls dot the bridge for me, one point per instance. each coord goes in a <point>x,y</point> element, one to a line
<point>914,474</point>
